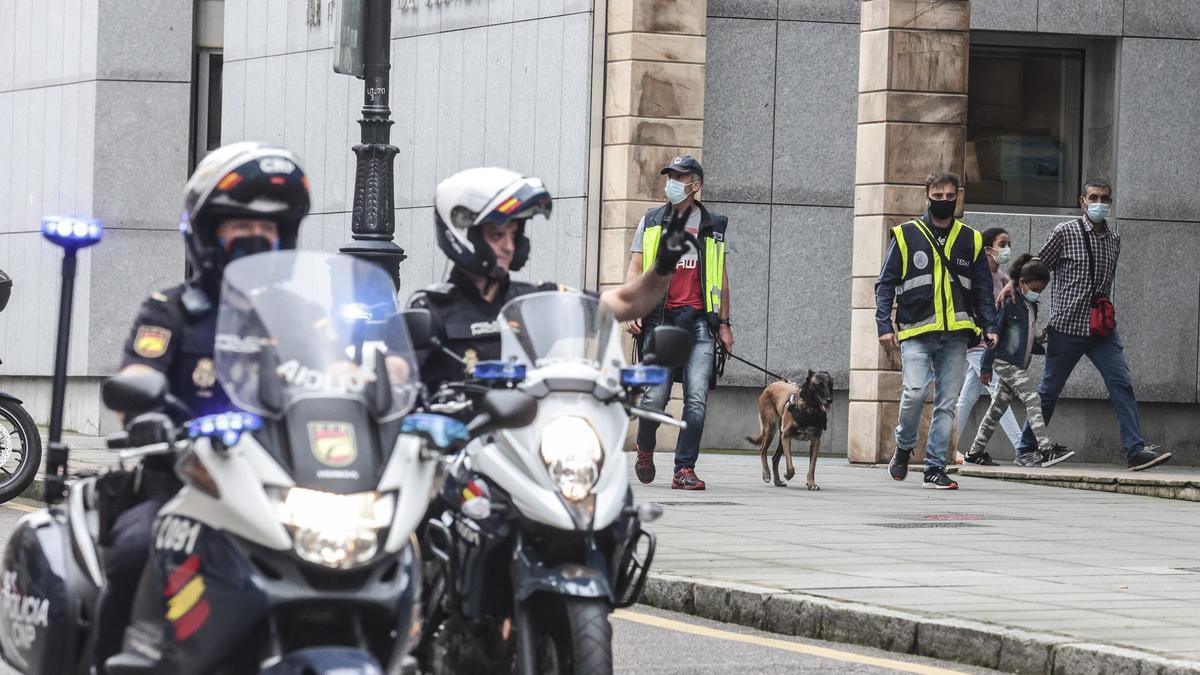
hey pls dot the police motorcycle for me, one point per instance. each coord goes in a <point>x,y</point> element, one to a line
<point>290,547</point>
<point>20,443</point>
<point>535,538</point>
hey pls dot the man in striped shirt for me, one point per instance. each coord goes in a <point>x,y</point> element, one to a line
<point>1078,278</point>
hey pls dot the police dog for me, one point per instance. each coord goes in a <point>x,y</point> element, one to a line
<point>796,411</point>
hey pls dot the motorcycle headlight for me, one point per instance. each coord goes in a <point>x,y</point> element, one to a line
<point>333,530</point>
<point>572,452</point>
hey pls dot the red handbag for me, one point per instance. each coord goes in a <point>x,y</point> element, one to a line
<point>1102,320</point>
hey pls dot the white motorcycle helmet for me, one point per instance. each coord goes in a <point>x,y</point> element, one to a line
<point>466,201</point>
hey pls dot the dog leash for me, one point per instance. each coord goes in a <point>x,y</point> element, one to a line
<point>722,355</point>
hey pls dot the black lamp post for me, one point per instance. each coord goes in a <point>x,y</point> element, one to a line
<point>373,222</point>
<point>72,235</point>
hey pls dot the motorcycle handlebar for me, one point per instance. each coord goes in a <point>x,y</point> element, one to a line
<point>656,416</point>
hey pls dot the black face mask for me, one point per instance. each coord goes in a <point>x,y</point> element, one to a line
<point>244,246</point>
<point>942,209</point>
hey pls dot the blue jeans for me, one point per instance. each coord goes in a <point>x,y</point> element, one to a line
<point>969,396</point>
<point>940,359</point>
<point>696,375</point>
<point>1108,355</point>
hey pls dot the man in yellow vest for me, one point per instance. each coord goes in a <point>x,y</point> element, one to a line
<point>698,300</point>
<point>941,286</point>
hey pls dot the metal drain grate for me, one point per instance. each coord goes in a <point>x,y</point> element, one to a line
<point>698,503</point>
<point>930,524</point>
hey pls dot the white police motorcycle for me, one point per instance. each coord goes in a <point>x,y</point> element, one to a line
<point>536,539</point>
<point>290,547</point>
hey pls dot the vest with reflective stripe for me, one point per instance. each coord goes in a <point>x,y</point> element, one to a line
<point>712,255</point>
<point>926,300</point>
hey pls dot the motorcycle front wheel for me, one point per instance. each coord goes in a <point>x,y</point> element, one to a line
<point>20,450</point>
<point>579,645</point>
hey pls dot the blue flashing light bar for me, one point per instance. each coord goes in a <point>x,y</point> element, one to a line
<point>226,427</point>
<point>644,376</point>
<point>443,431</point>
<point>72,233</point>
<point>499,371</point>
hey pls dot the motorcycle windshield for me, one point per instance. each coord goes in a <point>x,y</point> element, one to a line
<point>306,324</point>
<point>555,327</point>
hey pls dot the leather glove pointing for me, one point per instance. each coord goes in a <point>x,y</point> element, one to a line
<point>674,244</point>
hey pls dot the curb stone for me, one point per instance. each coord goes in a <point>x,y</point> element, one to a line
<point>1183,489</point>
<point>969,642</point>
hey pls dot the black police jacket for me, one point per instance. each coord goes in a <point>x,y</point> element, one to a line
<point>468,325</point>
<point>174,333</point>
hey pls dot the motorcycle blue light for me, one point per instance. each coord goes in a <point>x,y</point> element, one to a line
<point>499,371</point>
<point>226,427</point>
<point>644,376</point>
<point>72,233</point>
<point>442,431</point>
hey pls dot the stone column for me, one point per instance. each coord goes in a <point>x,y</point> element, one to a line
<point>653,110</point>
<point>912,115</point>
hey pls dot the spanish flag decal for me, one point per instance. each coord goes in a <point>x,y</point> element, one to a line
<point>187,609</point>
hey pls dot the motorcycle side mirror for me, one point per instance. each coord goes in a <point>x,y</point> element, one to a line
<point>506,409</point>
<point>669,346</point>
<point>421,326</point>
<point>135,393</point>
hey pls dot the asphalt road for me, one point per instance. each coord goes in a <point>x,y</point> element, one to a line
<point>652,642</point>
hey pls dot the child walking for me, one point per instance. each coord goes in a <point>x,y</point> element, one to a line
<point>1010,360</point>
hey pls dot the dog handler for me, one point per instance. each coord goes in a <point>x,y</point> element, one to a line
<point>937,277</point>
<point>697,300</point>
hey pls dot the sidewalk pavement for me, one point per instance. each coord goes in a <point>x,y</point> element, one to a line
<point>88,454</point>
<point>1068,566</point>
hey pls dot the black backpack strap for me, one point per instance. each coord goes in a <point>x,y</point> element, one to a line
<point>1087,244</point>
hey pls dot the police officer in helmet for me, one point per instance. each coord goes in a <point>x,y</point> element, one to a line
<point>242,199</point>
<point>480,216</point>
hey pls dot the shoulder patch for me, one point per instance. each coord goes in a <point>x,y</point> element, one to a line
<point>151,341</point>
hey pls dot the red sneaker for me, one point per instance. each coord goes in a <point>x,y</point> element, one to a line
<point>644,467</point>
<point>686,479</point>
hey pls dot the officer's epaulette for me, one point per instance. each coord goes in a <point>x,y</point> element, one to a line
<point>438,293</point>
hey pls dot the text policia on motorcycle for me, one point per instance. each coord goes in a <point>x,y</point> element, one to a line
<point>286,422</point>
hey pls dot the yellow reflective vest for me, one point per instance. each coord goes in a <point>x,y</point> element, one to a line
<point>711,254</point>
<point>927,299</point>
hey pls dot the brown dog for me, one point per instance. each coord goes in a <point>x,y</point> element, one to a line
<point>796,411</point>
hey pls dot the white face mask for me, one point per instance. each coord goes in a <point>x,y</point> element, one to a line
<point>676,191</point>
<point>1003,255</point>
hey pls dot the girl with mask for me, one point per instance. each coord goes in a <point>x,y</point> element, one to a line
<point>998,246</point>
<point>1010,360</point>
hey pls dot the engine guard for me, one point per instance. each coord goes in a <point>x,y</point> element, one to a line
<point>634,570</point>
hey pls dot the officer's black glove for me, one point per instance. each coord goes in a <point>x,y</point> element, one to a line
<point>674,244</point>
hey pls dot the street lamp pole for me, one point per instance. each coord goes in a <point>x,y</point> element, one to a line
<point>373,223</point>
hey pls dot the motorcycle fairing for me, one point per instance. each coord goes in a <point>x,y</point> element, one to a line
<point>45,596</point>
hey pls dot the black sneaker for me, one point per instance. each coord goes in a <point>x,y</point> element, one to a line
<point>898,467</point>
<point>1029,460</point>
<point>982,459</point>
<point>1055,455</point>
<point>937,479</point>
<point>644,466</point>
<point>1147,458</point>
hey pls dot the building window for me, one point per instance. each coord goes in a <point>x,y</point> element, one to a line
<point>1025,126</point>
<point>207,118</point>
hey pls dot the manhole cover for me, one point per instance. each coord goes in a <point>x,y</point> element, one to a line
<point>698,503</point>
<point>932,523</point>
<point>952,517</point>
